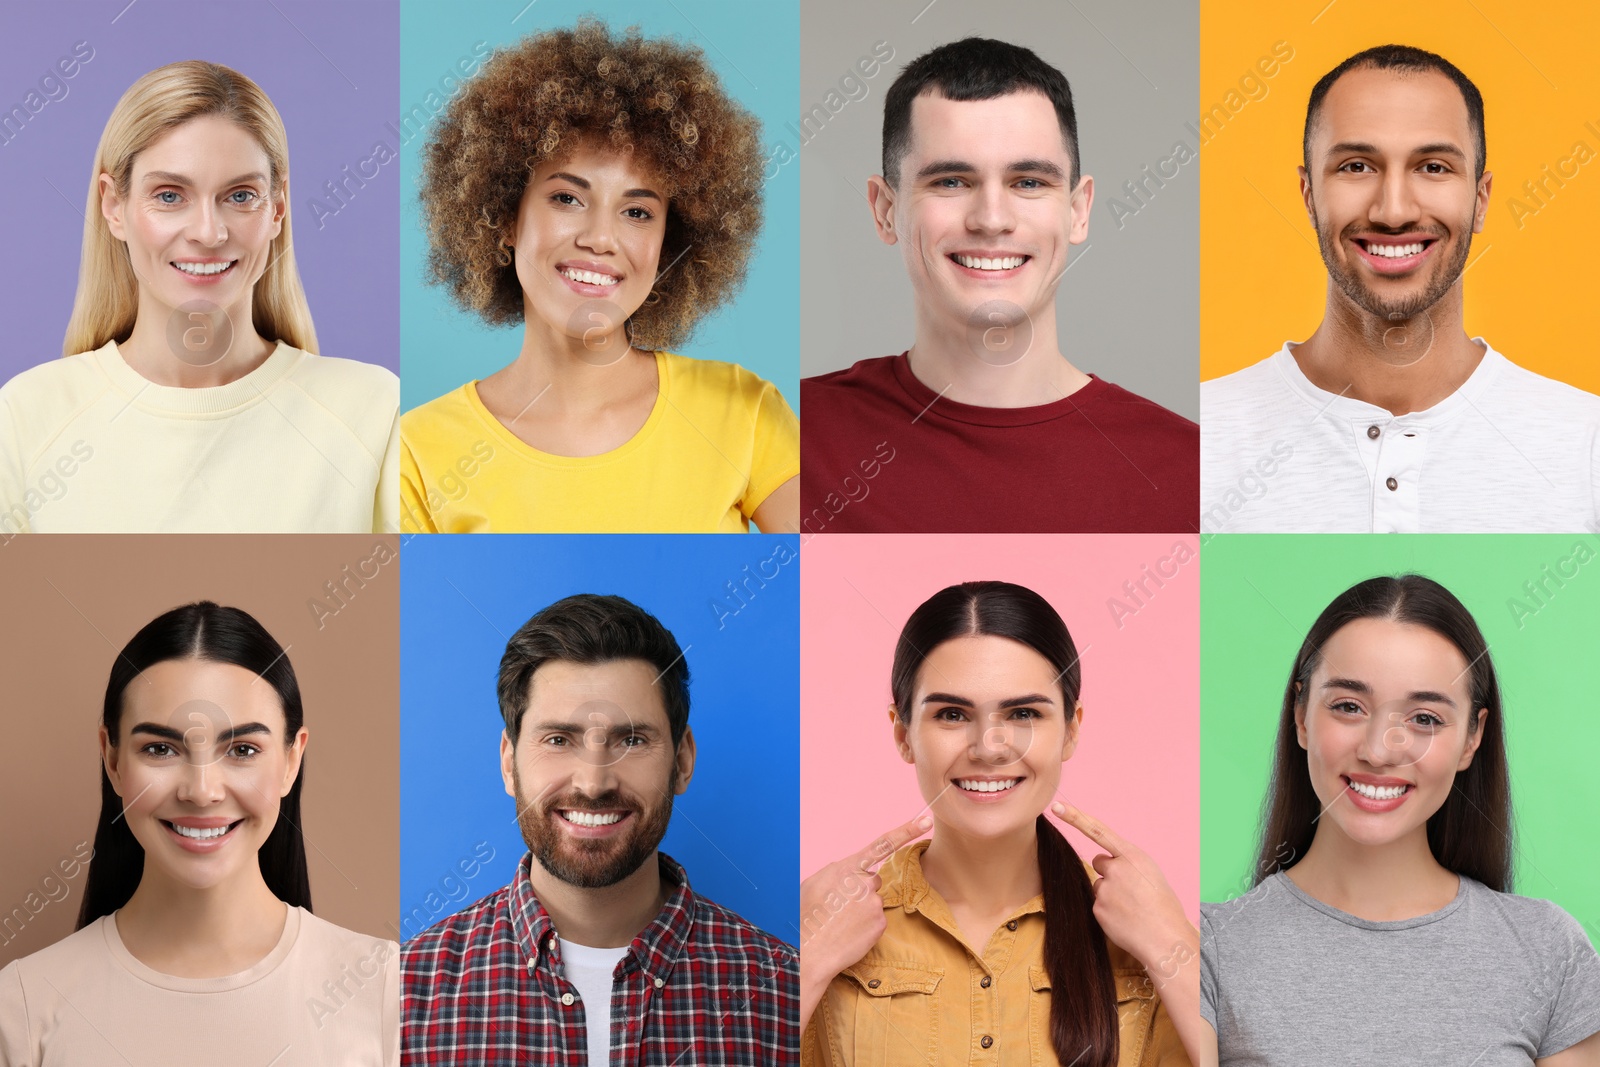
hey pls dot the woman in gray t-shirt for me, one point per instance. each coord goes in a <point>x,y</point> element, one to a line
<point>1381,927</point>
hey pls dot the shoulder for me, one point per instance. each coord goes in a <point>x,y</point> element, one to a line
<point>329,377</point>
<point>1246,386</point>
<point>714,377</point>
<point>45,394</point>
<point>1528,918</point>
<point>1518,385</point>
<point>468,931</point>
<point>737,940</point>
<point>868,374</point>
<point>79,952</point>
<point>1147,414</point>
<point>442,415</point>
<point>325,938</point>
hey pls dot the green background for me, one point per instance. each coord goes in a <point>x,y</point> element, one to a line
<point>1259,596</point>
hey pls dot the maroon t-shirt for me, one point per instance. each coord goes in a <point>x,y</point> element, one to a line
<point>882,453</point>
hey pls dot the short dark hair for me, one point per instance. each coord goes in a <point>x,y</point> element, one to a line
<point>1402,58</point>
<point>588,628</point>
<point>973,68</point>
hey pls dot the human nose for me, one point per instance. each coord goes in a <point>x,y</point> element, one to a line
<point>1384,741</point>
<point>205,224</point>
<point>991,210</point>
<point>598,233</point>
<point>1396,206</point>
<point>993,741</point>
<point>201,783</point>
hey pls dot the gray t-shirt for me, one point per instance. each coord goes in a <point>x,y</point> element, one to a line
<point>1489,980</point>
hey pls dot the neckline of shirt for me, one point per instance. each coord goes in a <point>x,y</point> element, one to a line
<point>204,400</point>
<point>1340,408</point>
<point>262,968</point>
<point>1376,924</point>
<point>933,405</point>
<point>520,447</point>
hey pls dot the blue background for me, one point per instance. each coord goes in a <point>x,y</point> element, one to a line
<point>330,70</point>
<point>752,48</point>
<point>736,830</point>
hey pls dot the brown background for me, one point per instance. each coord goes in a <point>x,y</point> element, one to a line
<point>73,600</point>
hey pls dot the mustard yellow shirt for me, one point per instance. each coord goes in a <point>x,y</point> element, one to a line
<point>923,998</point>
<point>717,442</point>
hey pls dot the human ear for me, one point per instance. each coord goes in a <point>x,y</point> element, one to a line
<point>1305,195</point>
<point>1073,725</point>
<point>111,207</point>
<point>683,758</point>
<point>111,756</point>
<point>508,753</point>
<point>880,197</point>
<point>1474,739</point>
<point>1482,207</point>
<point>1299,716</point>
<point>900,741</point>
<point>1082,199</point>
<point>291,769</point>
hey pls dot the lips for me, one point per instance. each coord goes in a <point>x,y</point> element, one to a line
<point>204,272</point>
<point>589,279</point>
<point>989,264</point>
<point>201,835</point>
<point>588,823</point>
<point>1395,255</point>
<point>1377,795</point>
<point>986,790</point>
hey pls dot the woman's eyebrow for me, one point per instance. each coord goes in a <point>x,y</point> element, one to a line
<point>184,179</point>
<point>167,733</point>
<point>1423,696</point>
<point>1009,702</point>
<point>583,183</point>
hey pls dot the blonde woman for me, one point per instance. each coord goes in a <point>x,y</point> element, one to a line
<point>191,397</point>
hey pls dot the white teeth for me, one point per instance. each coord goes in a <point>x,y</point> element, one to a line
<point>588,277</point>
<point>985,263</point>
<point>201,835</point>
<point>204,268</point>
<point>1395,251</point>
<point>1378,792</point>
<point>590,818</point>
<point>976,785</point>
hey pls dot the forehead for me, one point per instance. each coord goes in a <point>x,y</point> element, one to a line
<point>201,145</point>
<point>1394,111</point>
<point>186,693</point>
<point>986,668</point>
<point>616,692</point>
<point>1021,125</point>
<point>1394,658</point>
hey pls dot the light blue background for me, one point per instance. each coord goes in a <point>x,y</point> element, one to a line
<point>736,830</point>
<point>754,49</point>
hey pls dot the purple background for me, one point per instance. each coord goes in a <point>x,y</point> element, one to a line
<point>330,67</point>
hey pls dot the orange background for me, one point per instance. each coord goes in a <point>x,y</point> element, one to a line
<point>1529,289</point>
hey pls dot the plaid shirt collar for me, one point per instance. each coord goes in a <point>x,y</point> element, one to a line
<point>656,949</point>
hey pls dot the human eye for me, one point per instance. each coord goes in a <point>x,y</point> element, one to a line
<point>1434,166</point>
<point>1030,184</point>
<point>556,741</point>
<point>1428,720</point>
<point>250,195</point>
<point>158,749</point>
<point>1026,713</point>
<point>1346,707</point>
<point>243,750</point>
<point>160,194</point>
<point>639,214</point>
<point>563,198</point>
<point>949,183</point>
<point>950,715</point>
<point>635,741</point>
<point>1355,166</point>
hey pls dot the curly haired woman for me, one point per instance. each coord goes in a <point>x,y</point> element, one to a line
<point>604,191</point>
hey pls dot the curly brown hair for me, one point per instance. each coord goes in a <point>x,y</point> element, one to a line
<point>656,99</point>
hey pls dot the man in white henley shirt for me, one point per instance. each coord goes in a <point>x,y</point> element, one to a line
<point>1389,418</point>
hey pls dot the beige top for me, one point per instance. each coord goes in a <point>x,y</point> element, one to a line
<point>323,997</point>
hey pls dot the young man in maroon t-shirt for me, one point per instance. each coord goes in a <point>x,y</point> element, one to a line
<point>983,425</point>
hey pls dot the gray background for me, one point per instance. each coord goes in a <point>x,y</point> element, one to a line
<point>1130,314</point>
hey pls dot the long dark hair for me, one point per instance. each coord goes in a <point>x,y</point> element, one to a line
<point>223,635</point>
<point>1471,833</point>
<point>1083,1001</point>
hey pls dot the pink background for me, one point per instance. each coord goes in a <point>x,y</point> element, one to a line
<point>1137,768</point>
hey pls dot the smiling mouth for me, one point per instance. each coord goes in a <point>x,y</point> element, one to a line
<point>994,263</point>
<point>986,785</point>
<point>1379,792</point>
<point>588,277</point>
<point>1394,249</point>
<point>194,833</point>
<point>205,270</point>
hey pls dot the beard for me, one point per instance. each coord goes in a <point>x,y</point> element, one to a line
<point>592,863</point>
<point>1344,275</point>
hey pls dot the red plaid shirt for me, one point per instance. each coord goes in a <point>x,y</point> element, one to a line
<point>699,986</point>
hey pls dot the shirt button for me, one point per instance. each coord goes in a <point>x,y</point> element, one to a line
<point>566,998</point>
<point>1392,484</point>
<point>660,982</point>
<point>987,1041</point>
<point>987,982</point>
<point>875,983</point>
<point>550,944</point>
<point>1373,432</point>
<point>1012,925</point>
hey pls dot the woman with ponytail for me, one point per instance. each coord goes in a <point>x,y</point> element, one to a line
<point>195,939</point>
<point>993,942</point>
<point>1380,926</point>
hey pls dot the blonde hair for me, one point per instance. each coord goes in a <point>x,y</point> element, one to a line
<point>108,292</point>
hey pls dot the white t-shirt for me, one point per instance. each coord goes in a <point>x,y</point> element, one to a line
<point>590,970</point>
<point>1508,452</point>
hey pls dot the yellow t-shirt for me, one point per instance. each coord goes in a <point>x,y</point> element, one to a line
<point>922,997</point>
<point>717,442</point>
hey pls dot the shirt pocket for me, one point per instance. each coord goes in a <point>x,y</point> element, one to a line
<point>1135,1012</point>
<point>895,1017</point>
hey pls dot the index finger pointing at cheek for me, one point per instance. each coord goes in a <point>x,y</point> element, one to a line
<point>1093,829</point>
<point>872,857</point>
